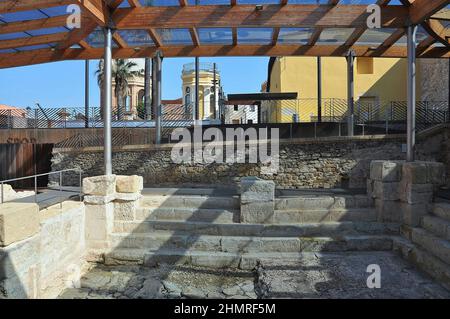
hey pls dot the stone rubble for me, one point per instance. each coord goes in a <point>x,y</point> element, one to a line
<point>314,275</point>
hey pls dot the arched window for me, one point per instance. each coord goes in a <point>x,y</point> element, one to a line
<point>187,98</point>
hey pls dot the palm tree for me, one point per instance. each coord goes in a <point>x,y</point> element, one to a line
<point>122,71</point>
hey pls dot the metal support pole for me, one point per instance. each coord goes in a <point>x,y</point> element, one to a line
<point>411,118</point>
<point>86,93</point>
<point>319,89</point>
<point>197,89</point>
<point>147,94</point>
<point>448,114</point>
<point>350,92</point>
<point>216,111</point>
<point>157,75</point>
<point>107,93</point>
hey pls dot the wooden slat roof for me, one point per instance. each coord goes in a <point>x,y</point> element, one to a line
<point>34,32</point>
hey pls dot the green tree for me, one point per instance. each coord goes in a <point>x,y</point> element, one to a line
<point>122,71</point>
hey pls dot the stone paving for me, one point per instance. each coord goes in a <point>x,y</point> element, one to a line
<point>312,275</point>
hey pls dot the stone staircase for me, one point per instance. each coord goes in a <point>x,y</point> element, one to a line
<point>429,244</point>
<point>201,228</point>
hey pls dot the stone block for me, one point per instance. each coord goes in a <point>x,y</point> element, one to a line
<point>100,185</point>
<point>388,211</point>
<point>413,213</point>
<point>99,200</point>
<point>415,173</point>
<point>128,197</point>
<point>18,221</point>
<point>416,193</point>
<point>386,171</point>
<point>257,213</point>
<point>125,210</point>
<point>99,222</point>
<point>254,189</point>
<point>129,184</point>
<point>19,269</point>
<point>436,173</point>
<point>387,191</point>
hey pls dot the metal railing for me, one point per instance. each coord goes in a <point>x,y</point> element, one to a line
<point>35,177</point>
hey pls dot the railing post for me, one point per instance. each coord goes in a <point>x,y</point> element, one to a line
<point>2,193</point>
<point>60,189</point>
<point>35,189</point>
<point>81,185</point>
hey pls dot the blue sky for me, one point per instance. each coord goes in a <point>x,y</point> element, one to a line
<point>61,84</point>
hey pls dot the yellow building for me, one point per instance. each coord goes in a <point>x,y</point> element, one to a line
<point>377,82</point>
<point>207,108</point>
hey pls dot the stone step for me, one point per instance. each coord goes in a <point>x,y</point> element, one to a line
<point>188,214</point>
<point>440,248</point>
<point>437,226</point>
<point>182,201</point>
<point>237,244</point>
<point>262,230</point>
<point>319,216</point>
<point>323,202</point>
<point>233,216</point>
<point>442,210</point>
<point>247,261</point>
<point>424,260</point>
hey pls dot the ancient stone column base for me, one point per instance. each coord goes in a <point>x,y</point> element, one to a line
<point>257,200</point>
<point>403,192</point>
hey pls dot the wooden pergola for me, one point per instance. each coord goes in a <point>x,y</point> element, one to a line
<point>33,32</point>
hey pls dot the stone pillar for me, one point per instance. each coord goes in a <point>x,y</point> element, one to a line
<point>128,193</point>
<point>99,196</point>
<point>403,191</point>
<point>108,199</point>
<point>257,200</point>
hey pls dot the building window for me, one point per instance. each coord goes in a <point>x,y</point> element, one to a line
<point>187,97</point>
<point>252,108</point>
<point>236,108</point>
<point>364,65</point>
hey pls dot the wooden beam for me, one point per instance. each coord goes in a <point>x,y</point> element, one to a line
<point>438,31</point>
<point>78,35</point>
<point>194,36</point>
<point>389,42</point>
<point>119,40</point>
<point>421,10</point>
<point>114,4</point>
<point>425,44</point>
<point>354,37</point>
<point>289,15</point>
<point>275,35</point>
<point>8,6</point>
<point>96,9</point>
<point>36,40</point>
<point>134,3</point>
<point>315,36</point>
<point>382,3</point>
<point>22,26</point>
<point>235,36</point>
<point>43,56</point>
<point>155,37</point>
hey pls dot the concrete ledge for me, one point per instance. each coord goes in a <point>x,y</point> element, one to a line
<point>18,221</point>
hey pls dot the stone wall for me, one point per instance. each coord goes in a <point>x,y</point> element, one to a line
<point>320,163</point>
<point>41,252</point>
<point>434,79</point>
